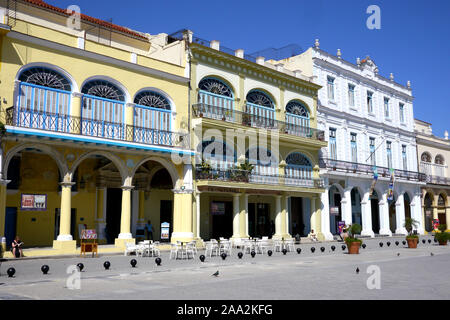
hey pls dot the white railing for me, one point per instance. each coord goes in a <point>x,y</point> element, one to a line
<point>216,106</point>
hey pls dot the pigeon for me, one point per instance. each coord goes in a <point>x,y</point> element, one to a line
<point>432,254</point>
<point>398,254</point>
<point>216,274</point>
<point>357,270</point>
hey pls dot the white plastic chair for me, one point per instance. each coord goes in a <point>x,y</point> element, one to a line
<point>190,249</point>
<point>212,248</point>
<point>289,244</point>
<point>129,248</point>
<point>278,245</point>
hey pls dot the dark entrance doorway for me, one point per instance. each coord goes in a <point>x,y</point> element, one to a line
<point>222,219</point>
<point>428,213</point>
<point>375,212</point>
<point>298,225</point>
<point>10,225</point>
<point>113,213</point>
<point>259,220</point>
<point>166,215</point>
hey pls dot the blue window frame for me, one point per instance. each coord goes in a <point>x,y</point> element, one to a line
<point>332,144</point>
<point>353,147</point>
<point>372,151</point>
<point>389,154</point>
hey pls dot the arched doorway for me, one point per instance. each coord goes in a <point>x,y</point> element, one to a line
<point>260,109</point>
<point>297,118</point>
<point>153,185</point>
<point>428,207</point>
<point>392,214</point>
<point>215,99</point>
<point>375,208</point>
<point>99,200</point>
<point>335,198</point>
<point>33,200</point>
<point>441,208</point>
<point>356,206</point>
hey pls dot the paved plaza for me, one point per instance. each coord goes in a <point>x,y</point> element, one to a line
<point>421,273</point>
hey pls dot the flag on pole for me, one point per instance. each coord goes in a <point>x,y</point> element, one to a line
<point>390,196</point>
<point>374,181</point>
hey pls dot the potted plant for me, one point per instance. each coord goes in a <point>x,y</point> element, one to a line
<point>242,172</point>
<point>352,242</point>
<point>412,239</point>
<point>442,237</point>
<point>246,119</point>
<point>205,170</point>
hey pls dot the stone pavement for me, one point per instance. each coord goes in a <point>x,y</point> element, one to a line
<point>414,274</point>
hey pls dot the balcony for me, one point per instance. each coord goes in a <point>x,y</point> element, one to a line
<point>361,168</point>
<point>438,180</point>
<point>67,124</point>
<point>256,117</point>
<point>260,175</point>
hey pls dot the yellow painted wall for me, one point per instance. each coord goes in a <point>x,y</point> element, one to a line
<point>152,209</point>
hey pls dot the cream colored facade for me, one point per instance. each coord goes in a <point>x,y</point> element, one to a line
<point>433,157</point>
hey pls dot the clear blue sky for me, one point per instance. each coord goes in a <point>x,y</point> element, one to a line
<point>413,43</point>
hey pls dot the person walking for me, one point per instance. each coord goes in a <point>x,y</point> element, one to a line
<point>149,228</point>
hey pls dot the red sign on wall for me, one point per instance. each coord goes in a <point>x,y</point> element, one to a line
<point>33,202</point>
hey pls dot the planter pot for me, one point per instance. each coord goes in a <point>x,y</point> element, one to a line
<point>443,243</point>
<point>412,243</point>
<point>353,247</point>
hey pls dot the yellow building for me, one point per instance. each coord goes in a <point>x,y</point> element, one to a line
<point>254,130</point>
<point>433,153</point>
<point>94,116</point>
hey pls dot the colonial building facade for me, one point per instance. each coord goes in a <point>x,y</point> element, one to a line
<point>254,130</point>
<point>369,125</point>
<point>433,154</point>
<point>92,120</point>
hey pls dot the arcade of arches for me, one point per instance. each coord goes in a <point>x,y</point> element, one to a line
<point>52,192</point>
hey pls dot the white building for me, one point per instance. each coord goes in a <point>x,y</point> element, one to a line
<point>363,113</point>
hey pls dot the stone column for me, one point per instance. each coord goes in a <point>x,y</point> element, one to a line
<point>75,112</point>
<point>316,218</point>
<point>417,213</point>
<point>125,218</point>
<point>325,214</point>
<point>236,216</point>
<point>182,216</point>
<point>400,215</point>
<point>100,222</point>
<point>64,241</point>
<point>278,218</point>
<point>384,216</point>
<point>366,216</point>
<point>243,221</point>
<point>285,210</point>
<point>197,220</point>
<point>346,205</point>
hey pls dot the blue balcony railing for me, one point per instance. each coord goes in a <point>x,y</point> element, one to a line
<point>60,123</point>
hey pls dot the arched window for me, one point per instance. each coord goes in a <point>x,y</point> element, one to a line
<point>103,89</point>
<point>43,100</point>
<point>215,86</point>
<point>215,99</point>
<point>103,110</point>
<point>439,159</point>
<point>218,154</point>
<point>297,118</point>
<point>45,77</point>
<point>152,111</point>
<point>425,157</point>
<point>260,98</point>
<point>298,166</point>
<point>261,156</point>
<point>441,201</point>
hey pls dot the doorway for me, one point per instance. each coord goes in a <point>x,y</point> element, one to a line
<point>259,220</point>
<point>298,225</point>
<point>166,215</point>
<point>222,219</point>
<point>375,212</point>
<point>113,213</point>
<point>10,225</point>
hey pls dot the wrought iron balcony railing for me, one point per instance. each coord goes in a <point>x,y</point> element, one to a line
<point>438,180</point>
<point>352,167</point>
<point>62,123</point>
<point>238,175</point>
<point>203,110</point>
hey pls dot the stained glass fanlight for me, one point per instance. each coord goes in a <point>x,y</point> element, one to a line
<point>103,89</point>
<point>45,77</point>
<point>295,107</point>
<point>298,159</point>
<point>215,86</point>
<point>152,99</point>
<point>259,98</point>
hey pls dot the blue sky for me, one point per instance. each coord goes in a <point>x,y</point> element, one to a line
<point>413,42</point>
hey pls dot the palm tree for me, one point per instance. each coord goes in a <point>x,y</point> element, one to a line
<point>410,224</point>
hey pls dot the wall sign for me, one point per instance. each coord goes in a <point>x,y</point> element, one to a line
<point>33,202</point>
<point>334,211</point>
